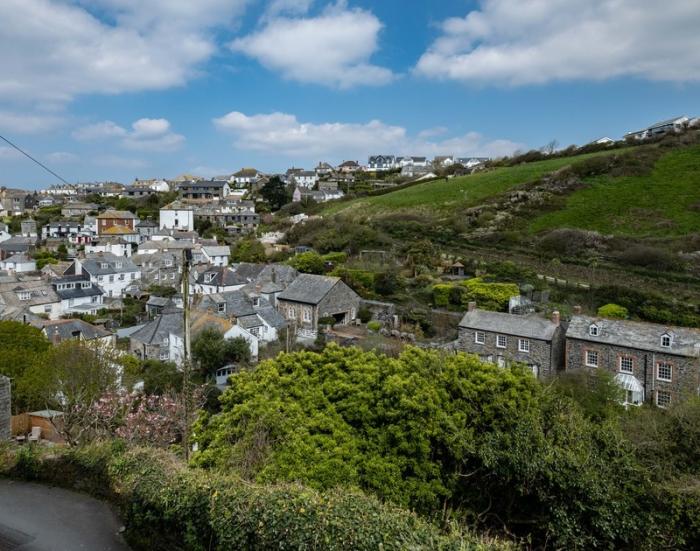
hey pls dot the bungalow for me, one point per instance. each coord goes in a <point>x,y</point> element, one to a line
<point>245,176</point>
<point>18,263</point>
<point>380,163</point>
<point>78,209</point>
<point>654,363</point>
<point>349,167</point>
<point>676,124</point>
<point>503,339</point>
<point>310,298</point>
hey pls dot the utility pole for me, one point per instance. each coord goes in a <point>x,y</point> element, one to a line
<point>187,360</point>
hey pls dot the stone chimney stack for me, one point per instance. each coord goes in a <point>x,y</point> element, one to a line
<point>471,306</point>
<point>577,310</point>
<point>274,275</point>
<point>556,318</point>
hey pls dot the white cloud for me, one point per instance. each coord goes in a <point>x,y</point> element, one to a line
<point>99,131</point>
<point>56,49</point>
<point>28,123</point>
<point>152,135</point>
<point>333,48</point>
<point>537,41</point>
<point>62,157</point>
<point>9,153</point>
<point>283,134</point>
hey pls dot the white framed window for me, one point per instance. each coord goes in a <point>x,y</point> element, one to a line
<point>121,277</point>
<point>666,341</point>
<point>626,364</point>
<point>479,337</point>
<point>500,361</point>
<point>85,285</point>
<point>593,330</point>
<point>663,398</point>
<point>221,308</point>
<point>501,341</point>
<point>524,345</point>
<point>664,371</point>
<point>24,295</point>
<point>47,309</point>
<point>111,279</point>
<point>164,355</point>
<point>255,331</point>
<point>307,314</point>
<point>166,341</point>
<point>591,358</point>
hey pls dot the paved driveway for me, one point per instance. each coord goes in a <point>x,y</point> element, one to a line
<point>39,518</point>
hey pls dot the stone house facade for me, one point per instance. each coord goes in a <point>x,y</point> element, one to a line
<point>312,297</point>
<point>653,363</point>
<point>5,411</point>
<point>504,339</point>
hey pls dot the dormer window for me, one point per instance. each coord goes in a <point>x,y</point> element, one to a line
<point>593,330</point>
<point>104,265</point>
<point>209,276</point>
<point>221,308</point>
<point>256,301</point>
<point>119,264</point>
<point>85,285</point>
<point>24,295</point>
<point>666,340</point>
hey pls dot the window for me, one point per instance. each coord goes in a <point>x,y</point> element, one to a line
<point>85,285</point>
<point>24,295</point>
<point>221,308</point>
<point>593,330</point>
<point>111,279</point>
<point>121,277</point>
<point>523,345</point>
<point>119,264</point>
<point>307,314</point>
<point>664,371</point>
<point>166,341</point>
<point>164,355</point>
<point>133,276</point>
<point>666,341</point>
<point>591,358</point>
<point>501,341</point>
<point>95,299</point>
<point>255,331</point>
<point>256,301</point>
<point>47,308</point>
<point>626,364</point>
<point>663,398</point>
<point>208,277</point>
<point>156,277</point>
<point>479,337</point>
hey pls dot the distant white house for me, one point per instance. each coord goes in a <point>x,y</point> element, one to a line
<point>113,274</point>
<point>676,124</point>
<point>4,234</point>
<point>176,216</point>
<point>603,141</point>
<point>115,247</point>
<point>305,178</point>
<point>17,264</point>
<point>379,163</point>
<point>216,255</point>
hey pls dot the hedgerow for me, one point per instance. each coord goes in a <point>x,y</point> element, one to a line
<point>167,506</point>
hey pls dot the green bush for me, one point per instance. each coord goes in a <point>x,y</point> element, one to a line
<point>489,296</point>
<point>365,314</point>
<point>374,325</point>
<point>441,294</point>
<point>166,506</point>
<point>614,311</point>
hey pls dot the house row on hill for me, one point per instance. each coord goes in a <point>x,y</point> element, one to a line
<point>650,362</point>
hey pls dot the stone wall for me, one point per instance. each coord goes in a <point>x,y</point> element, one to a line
<point>5,412</point>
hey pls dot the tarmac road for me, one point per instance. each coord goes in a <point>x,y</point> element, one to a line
<point>40,518</point>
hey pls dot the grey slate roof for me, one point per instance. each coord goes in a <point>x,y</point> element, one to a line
<point>250,321</point>
<point>309,288</point>
<point>223,277</point>
<point>532,327</point>
<point>216,250</point>
<point>271,316</point>
<point>68,329</point>
<point>92,264</point>
<point>263,273</point>
<point>170,321</point>
<point>238,304</point>
<point>639,335</point>
<point>77,291</point>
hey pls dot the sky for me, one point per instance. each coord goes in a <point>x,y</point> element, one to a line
<point>122,89</point>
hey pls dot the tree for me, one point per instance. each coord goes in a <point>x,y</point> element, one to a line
<point>211,351</point>
<point>275,193</point>
<point>309,262</point>
<point>614,311</point>
<point>248,250</point>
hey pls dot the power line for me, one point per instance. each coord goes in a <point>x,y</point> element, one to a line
<point>46,168</point>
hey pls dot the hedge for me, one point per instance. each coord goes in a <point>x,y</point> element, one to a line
<point>167,506</point>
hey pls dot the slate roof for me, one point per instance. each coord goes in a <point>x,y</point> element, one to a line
<point>17,244</point>
<point>217,250</point>
<point>223,277</point>
<point>262,273</point>
<point>271,316</point>
<point>238,304</point>
<point>41,293</point>
<point>77,291</point>
<point>18,258</point>
<point>532,327</point>
<point>638,335</point>
<point>92,264</point>
<point>250,321</point>
<point>309,288</point>
<point>66,329</point>
<point>170,321</point>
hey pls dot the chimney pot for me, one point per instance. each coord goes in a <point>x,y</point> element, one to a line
<point>577,310</point>
<point>556,318</point>
<point>471,306</point>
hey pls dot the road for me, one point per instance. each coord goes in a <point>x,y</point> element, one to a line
<point>40,518</point>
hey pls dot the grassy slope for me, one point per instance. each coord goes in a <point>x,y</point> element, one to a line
<point>657,204</point>
<point>463,192</point>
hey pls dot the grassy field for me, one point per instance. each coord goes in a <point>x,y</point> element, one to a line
<point>456,193</point>
<point>663,203</point>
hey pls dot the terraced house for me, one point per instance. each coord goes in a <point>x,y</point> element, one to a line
<point>650,362</point>
<point>503,339</point>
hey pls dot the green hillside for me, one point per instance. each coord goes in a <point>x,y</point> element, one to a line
<point>665,202</point>
<point>455,193</point>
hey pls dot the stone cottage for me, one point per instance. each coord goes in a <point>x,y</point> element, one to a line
<point>312,297</point>
<point>650,362</point>
<point>507,338</point>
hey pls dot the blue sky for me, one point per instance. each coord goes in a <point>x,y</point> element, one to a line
<point>120,89</point>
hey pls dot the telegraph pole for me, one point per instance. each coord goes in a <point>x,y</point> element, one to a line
<point>187,360</point>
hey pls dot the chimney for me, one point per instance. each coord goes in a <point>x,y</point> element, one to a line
<point>556,318</point>
<point>274,275</point>
<point>471,306</point>
<point>577,310</point>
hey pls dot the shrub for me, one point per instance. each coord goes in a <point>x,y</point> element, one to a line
<point>309,263</point>
<point>490,296</point>
<point>374,325</point>
<point>365,314</point>
<point>651,257</point>
<point>441,294</point>
<point>614,311</point>
<point>570,242</point>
